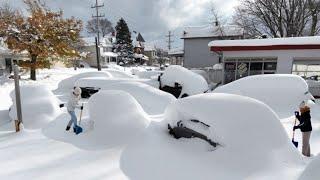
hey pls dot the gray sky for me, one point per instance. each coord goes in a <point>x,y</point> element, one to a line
<point>153,18</point>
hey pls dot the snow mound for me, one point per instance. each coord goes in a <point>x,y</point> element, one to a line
<point>39,106</point>
<point>282,92</point>
<point>118,118</point>
<point>69,82</point>
<point>312,170</point>
<point>152,100</point>
<point>191,82</point>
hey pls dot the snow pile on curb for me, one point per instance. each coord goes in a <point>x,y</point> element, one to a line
<point>152,100</point>
<point>192,83</point>
<point>283,93</point>
<point>312,170</point>
<point>69,82</point>
<point>118,118</point>
<point>39,106</point>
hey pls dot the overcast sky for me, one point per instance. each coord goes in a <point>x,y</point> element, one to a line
<point>153,18</point>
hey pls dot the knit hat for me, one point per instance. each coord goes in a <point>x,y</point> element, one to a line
<point>77,91</point>
<point>302,104</point>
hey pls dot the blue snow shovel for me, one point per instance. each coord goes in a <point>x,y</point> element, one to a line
<point>295,143</point>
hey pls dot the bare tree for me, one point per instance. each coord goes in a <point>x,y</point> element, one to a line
<point>278,18</point>
<point>105,26</point>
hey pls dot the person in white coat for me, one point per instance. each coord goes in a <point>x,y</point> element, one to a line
<point>72,104</point>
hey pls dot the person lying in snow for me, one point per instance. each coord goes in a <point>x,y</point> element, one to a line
<point>305,127</point>
<point>183,132</point>
<point>71,105</point>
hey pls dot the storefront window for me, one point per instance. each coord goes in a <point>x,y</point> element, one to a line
<point>256,68</point>
<point>270,66</point>
<point>239,68</point>
<point>230,68</point>
<point>242,69</point>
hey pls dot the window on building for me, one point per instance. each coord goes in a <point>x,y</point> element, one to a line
<point>236,68</point>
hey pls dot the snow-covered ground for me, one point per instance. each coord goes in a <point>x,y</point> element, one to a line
<point>125,134</point>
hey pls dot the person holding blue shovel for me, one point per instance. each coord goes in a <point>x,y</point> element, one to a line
<point>72,104</point>
<point>305,126</point>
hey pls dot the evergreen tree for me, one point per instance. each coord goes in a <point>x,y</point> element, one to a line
<point>124,42</point>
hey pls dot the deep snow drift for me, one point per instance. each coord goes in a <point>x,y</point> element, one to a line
<point>247,152</point>
<point>282,92</point>
<point>39,106</point>
<point>312,171</point>
<point>152,100</point>
<point>192,83</point>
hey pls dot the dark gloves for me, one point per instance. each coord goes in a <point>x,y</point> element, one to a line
<point>61,105</point>
<point>295,127</point>
<point>81,108</point>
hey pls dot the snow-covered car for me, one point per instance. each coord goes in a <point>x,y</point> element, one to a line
<point>152,100</point>
<point>95,83</point>
<point>282,92</point>
<point>39,106</point>
<point>182,82</point>
<point>69,82</point>
<point>111,126</point>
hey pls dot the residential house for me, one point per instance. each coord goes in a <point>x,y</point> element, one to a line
<point>7,58</point>
<point>176,56</point>
<point>106,50</point>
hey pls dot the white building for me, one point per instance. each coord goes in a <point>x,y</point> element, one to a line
<point>106,48</point>
<point>196,39</point>
<point>242,58</point>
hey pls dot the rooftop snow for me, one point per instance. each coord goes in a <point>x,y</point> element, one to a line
<point>311,40</point>
<point>212,31</point>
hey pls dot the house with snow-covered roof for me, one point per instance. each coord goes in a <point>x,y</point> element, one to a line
<point>7,58</point>
<point>196,39</point>
<point>293,55</point>
<point>106,48</point>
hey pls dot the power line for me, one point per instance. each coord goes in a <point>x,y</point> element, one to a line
<point>169,41</point>
<point>97,6</point>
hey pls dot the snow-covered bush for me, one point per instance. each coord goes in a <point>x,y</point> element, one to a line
<point>191,82</point>
<point>118,118</point>
<point>70,82</point>
<point>152,100</point>
<point>282,92</point>
<point>312,170</point>
<point>39,106</point>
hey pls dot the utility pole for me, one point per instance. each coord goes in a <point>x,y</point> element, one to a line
<point>97,6</point>
<point>18,121</point>
<point>169,36</point>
